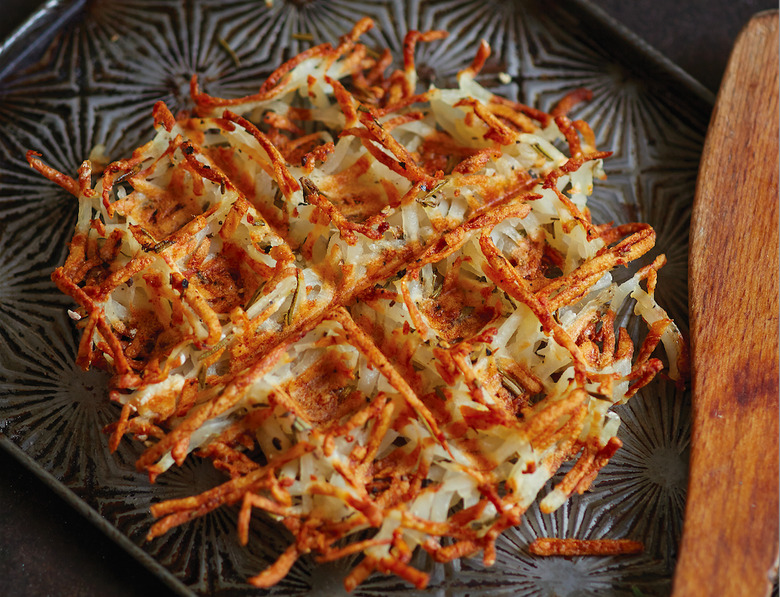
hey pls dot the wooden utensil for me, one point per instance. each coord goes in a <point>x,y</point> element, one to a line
<point>730,538</point>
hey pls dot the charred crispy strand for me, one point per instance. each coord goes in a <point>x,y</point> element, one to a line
<point>65,181</point>
<point>226,458</point>
<point>253,500</point>
<point>411,195</point>
<point>286,181</point>
<point>376,73</point>
<point>607,337</point>
<point>85,186</point>
<point>268,90</point>
<point>588,136</point>
<point>201,307</point>
<point>399,104</point>
<point>346,228</point>
<point>273,85</point>
<point>625,346</point>
<point>234,217</point>
<point>571,481</point>
<point>360,573</point>
<point>376,407</point>
<point>455,551</point>
<point>278,570</point>
<point>249,423</point>
<point>643,374</point>
<point>118,429</point>
<point>454,527</point>
<point>391,123</point>
<point>567,449</point>
<point>109,251</point>
<point>477,161</point>
<point>353,548</point>
<point>75,261</point>
<point>396,88</point>
<point>273,80</point>
<point>400,550</point>
<point>572,164</point>
<point>405,165</point>
<point>571,133</point>
<point>163,117</point>
<point>650,273</point>
<point>483,53</point>
<point>345,101</point>
<point>571,99</point>
<point>600,460</point>
<point>85,354</point>
<point>511,205</point>
<point>144,429</point>
<point>349,42</point>
<point>657,330</point>
<point>280,397</point>
<point>475,385</point>
<point>541,117</point>
<point>282,122</point>
<point>408,573</point>
<point>498,131</point>
<point>378,433</point>
<point>463,518</point>
<point>318,154</point>
<point>410,43</point>
<point>516,119</point>
<point>611,234</point>
<point>295,150</point>
<point>584,547</point>
<point>376,151</point>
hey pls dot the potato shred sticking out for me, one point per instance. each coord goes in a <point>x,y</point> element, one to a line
<point>385,314</point>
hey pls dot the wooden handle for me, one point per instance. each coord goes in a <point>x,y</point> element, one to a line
<point>730,538</point>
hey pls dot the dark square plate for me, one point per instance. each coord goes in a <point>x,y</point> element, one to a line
<point>84,74</point>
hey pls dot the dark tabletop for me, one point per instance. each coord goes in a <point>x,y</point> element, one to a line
<point>46,548</point>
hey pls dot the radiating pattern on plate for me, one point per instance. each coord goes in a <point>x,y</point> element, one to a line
<point>650,470</point>
<point>95,86</point>
<point>517,572</point>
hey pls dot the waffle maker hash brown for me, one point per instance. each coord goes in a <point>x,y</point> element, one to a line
<point>386,314</point>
